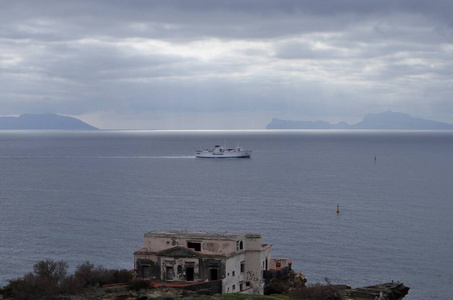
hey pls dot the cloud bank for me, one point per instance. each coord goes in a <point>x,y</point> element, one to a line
<point>225,64</point>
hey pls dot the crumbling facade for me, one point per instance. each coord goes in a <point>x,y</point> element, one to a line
<point>234,261</point>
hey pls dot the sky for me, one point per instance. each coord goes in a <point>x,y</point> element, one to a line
<point>192,64</point>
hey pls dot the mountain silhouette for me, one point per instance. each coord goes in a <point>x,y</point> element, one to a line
<point>386,120</point>
<point>43,121</point>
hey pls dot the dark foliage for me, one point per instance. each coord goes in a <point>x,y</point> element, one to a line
<point>71,285</point>
<point>139,284</point>
<point>204,292</point>
<point>315,292</point>
<point>50,279</point>
<point>86,274</point>
<point>43,283</point>
<point>48,276</point>
<point>91,276</point>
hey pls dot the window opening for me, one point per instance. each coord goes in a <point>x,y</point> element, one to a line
<point>194,246</point>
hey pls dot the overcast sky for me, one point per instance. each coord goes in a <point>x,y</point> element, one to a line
<point>225,64</point>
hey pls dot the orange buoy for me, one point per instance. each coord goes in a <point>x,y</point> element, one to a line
<point>338,209</point>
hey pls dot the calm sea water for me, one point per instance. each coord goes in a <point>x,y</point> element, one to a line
<point>78,196</point>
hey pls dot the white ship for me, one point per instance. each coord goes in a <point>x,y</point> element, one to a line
<point>222,152</point>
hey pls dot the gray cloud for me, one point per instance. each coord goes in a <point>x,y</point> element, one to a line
<point>302,59</point>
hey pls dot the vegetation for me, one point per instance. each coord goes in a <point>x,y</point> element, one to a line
<point>138,284</point>
<point>315,292</point>
<point>50,280</point>
<point>234,296</point>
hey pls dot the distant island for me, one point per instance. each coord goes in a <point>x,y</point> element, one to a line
<point>386,121</point>
<point>42,122</point>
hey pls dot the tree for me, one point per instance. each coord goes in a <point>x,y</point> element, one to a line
<point>49,274</point>
<point>43,283</point>
<point>87,274</point>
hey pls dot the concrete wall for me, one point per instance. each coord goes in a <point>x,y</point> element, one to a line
<point>147,268</point>
<point>179,266</point>
<point>175,268</point>
<point>266,257</point>
<point>280,273</point>
<point>233,273</point>
<point>253,271</point>
<point>254,263</point>
<point>277,263</point>
<point>156,244</point>
<point>253,242</point>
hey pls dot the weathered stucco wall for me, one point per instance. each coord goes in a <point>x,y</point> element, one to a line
<point>233,273</point>
<point>156,244</point>
<point>179,268</point>
<point>147,268</point>
<point>253,271</point>
<point>277,263</point>
<point>266,257</point>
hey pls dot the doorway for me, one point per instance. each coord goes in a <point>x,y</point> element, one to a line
<point>170,274</point>
<point>146,272</point>
<point>213,274</point>
<point>190,273</point>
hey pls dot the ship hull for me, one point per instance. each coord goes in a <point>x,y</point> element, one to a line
<point>242,154</point>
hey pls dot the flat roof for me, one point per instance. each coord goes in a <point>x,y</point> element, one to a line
<point>200,234</point>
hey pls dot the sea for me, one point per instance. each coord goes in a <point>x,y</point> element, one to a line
<point>91,196</point>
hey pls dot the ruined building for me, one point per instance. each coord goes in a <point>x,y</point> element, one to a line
<point>221,262</point>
